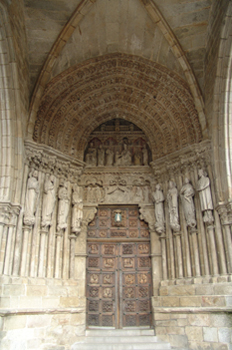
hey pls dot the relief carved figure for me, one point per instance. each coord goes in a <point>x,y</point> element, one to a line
<point>124,158</point>
<point>77,209</point>
<point>49,200</point>
<point>101,156</point>
<point>145,155</point>
<point>31,201</point>
<point>91,155</point>
<point>109,157</point>
<point>158,198</point>
<point>186,195</point>
<point>172,199</point>
<point>63,207</point>
<point>203,188</point>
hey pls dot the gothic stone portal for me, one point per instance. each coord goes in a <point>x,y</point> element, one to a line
<point>118,270</point>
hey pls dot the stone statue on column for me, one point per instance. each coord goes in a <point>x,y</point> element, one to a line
<point>186,195</point>
<point>31,201</point>
<point>63,207</point>
<point>49,200</point>
<point>77,209</point>
<point>158,198</point>
<point>172,199</point>
<point>203,188</point>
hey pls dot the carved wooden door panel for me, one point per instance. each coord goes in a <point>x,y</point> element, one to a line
<point>118,271</point>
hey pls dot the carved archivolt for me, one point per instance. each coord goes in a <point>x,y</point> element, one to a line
<point>140,91</point>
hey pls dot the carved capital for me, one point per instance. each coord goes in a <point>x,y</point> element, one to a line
<point>9,213</point>
<point>223,213</point>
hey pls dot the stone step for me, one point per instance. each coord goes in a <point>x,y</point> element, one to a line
<point>121,346</point>
<point>119,332</point>
<point>122,339</point>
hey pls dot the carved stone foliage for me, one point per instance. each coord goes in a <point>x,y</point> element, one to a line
<point>49,161</point>
<point>132,85</point>
<point>180,162</point>
<point>127,146</point>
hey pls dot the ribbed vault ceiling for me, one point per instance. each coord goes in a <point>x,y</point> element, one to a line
<point>157,100</point>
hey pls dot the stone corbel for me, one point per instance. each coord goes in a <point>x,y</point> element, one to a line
<point>147,214</point>
<point>88,215</point>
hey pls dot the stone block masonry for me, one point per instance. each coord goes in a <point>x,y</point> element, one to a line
<point>195,316</point>
<point>40,313</point>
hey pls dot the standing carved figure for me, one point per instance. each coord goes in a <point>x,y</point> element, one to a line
<point>203,188</point>
<point>91,155</point>
<point>101,156</point>
<point>63,207</point>
<point>186,195</point>
<point>172,199</point>
<point>32,195</point>
<point>158,198</point>
<point>109,157</point>
<point>49,199</point>
<point>145,155</point>
<point>77,210</point>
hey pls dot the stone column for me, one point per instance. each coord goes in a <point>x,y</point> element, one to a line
<point>213,252</point>
<point>164,256</point>
<point>58,257</point>
<point>11,228</point>
<point>193,232</point>
<point>177,236</point>
<point>226,223</point>
<point>4,222</point>
<point>42,253</point>
<point>27,231</point>
<point>72,238</point>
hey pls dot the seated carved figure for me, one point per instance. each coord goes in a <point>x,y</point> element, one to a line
<point>124,158</point>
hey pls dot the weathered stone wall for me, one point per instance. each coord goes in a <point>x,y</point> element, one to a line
<point>41,313</point>
<point>194,316</point>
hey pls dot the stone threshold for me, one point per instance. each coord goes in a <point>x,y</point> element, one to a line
<point>41,311</point>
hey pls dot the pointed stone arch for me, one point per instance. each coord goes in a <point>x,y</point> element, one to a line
<point>222,113</point>
<point>11,130</point>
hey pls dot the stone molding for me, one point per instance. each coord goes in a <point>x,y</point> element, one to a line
<point>67,126</point>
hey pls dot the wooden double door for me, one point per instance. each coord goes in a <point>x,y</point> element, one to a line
<point>118,270</point>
